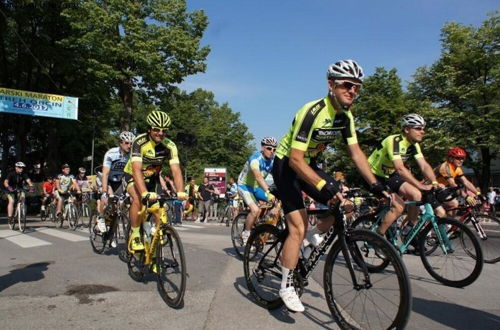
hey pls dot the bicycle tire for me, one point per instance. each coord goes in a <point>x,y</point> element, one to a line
<point>124,254</point>
<point>236,229</point>
<point>437,262</point>
<point>172,273</point>
<point>490,243</point>
<point>72,217</point>
<point>377,261</point>
<point>43,215</point>
<point>98,240</point>
<point>262,267</point>
<point>386,303</point>
<point>22,217</point>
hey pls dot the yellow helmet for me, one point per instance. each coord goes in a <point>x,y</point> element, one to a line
<point>158,119</point>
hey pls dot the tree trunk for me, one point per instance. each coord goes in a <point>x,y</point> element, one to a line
<point>484,180</point>
<point>127,96</point>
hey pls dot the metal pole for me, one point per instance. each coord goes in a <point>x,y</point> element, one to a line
<point>93,140</point>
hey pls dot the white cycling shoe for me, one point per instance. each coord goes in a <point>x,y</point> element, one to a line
<point>101,225</point>
<point>291,299</point>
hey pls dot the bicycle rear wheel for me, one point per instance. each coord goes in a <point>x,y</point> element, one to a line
<point>460,262</point>
<point>488,236</point>
<point>98,240</point>
<point>262,265</point>
<point>382,300</point>
<point>171,267</point>
<point>22,216</point>
<point>236,230</point>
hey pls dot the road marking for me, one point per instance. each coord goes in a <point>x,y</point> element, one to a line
<point>23,240</point>
<point>192,226</point>
<point>61,234</point>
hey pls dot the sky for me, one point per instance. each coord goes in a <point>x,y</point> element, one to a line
<point>269,57</point>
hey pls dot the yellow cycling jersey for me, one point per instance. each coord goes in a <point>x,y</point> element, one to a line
<point>314,126</point>
<point>392,147</point>
<point>151,154</point>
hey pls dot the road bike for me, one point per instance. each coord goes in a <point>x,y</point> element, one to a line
<point>69,211</point>
<point>163,253</point>
<point>265,217</point>
<point>19,210</point>
<point>83,207</point>
<point>50,210</point>
<point>357,296</point>
<point>226,214</point>
<point>117,226</point>
<point>454,258</point>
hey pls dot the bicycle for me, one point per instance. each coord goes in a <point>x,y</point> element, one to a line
<point>163,253</point>
<point>83,208</point>
<point>458,248</point>
<point>226,216</point>
<point>117,226</point>
<point>69,212</point>
<point>356,296</point>
<point>50,210</point>
<point>238,225</point>
<point>19,210</point>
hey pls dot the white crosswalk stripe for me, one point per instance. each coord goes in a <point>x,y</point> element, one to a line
<point>62,234</point>
<point>23,240</point>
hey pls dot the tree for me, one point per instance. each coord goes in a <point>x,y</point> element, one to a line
<point>464,88</point>
<point>132,45</point>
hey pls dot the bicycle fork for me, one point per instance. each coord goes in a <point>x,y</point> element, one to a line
<point>345,251</point>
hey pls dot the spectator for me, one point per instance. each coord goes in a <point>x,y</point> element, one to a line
<point>205,192</point>
<point>492,196</point>
<point>192,191</point>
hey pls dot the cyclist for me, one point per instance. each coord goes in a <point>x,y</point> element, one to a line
<point>295,169</point>
<point>14,181</point>
<point>114,162</point>
<point>450,174</point>
<point>65,182</point>
<point>252,186</point>
<point>48,191</point>
<point>388,164</point>
<point>233,197</point>
<point>149,151</point>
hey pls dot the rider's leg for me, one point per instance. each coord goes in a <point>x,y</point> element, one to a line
<point>252,216</point>
<point>135,207</point>
<point>397,208</point>
<point>10,206</point>
<point>59,203</point>
<point>450,206</point>
<point>411,193</point>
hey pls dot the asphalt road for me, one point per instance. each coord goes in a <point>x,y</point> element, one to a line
<point>50,278</point>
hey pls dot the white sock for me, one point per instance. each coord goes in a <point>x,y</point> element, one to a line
<point>286,277</point>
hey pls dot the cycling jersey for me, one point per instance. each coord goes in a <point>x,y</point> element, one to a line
<point>65,182</point>
<point>316,125</point>
<point>116,160</point>
<point>82,183</point>
<point>391,148</point>
<point>16,180</point>
<point>151,154</point>
<point>256,161</point>
<point>446,171</point>
<point>49,187</point>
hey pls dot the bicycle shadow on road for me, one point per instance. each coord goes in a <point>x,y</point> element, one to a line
<point>24,273</point>
<point>455,316</point>
<point>230,252</point>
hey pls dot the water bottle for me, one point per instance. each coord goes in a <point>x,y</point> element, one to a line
<point>269,220</point>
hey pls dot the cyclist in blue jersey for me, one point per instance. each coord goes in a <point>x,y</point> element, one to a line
<point>114,162</point>
<point>252,186</point>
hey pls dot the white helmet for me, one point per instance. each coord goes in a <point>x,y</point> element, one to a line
<point>413,120</point>
<point>127,136</point>
<point>269,141</point>
<point>20,164</point>
<point>345,69</point>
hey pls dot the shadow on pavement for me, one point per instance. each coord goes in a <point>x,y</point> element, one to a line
<point>455,316</point>
<point>230,252</point>
<point>24,273</point>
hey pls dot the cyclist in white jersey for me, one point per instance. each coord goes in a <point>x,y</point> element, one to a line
<point>115,160</point>
<point>64,183</point>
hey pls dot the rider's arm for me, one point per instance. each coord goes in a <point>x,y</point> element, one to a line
<point>6,183</point>
<point>138,178</point>
<point>58,186</point>
<point>177,176</point>
<point>304,171</point>
<point>104,179</point>
<point>259,178</point>
<point>163,184</point>
<point>426,170</point>
<point>401,169</point>
<point>359,158</point>
<point>469,185</point>
<point>75,186</point>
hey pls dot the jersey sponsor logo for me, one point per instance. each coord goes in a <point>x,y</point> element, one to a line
<point>327,121</point>
<point>325,134</point>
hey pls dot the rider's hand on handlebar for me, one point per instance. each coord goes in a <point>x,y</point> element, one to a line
<point>270,197</point>
<point>152,196</point>
<point>426,187</point>
<point>182,196</point>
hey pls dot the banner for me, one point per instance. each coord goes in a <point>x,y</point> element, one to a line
<point>38,104</point>
<point>217,177</point>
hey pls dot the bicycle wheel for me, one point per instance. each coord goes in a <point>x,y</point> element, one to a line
<point>124,254</point>
<point>236,230</point>
<point>488,232</point>
<point>170,259</point>
<point>262,265</point>
<point>460,262</point>
<point>72,217</point>
<point>382,300</point>
<point>373,258</point>
<point>43,214</point>
<point>22,216</point>
<point>98,240</point>
<point>85,213</point>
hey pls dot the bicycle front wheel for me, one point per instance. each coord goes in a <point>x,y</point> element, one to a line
<point>22,216</point>
<point>98,240</point>
<point>488,232</point>
<point>170,267</point>
<point>458,260</point>
<point>380,300</point>
<point>236,230</point>
<point>262,265</point>
<point>72,217</point>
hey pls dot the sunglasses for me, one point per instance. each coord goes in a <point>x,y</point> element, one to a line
<point>126,142</point>
<point>271,148</point>
<point>460,158</point>
<point>158,130</point>
<point>418,128</point>
<point>348,85</point>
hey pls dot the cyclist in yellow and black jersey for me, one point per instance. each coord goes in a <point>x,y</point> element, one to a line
<point>149,151</point>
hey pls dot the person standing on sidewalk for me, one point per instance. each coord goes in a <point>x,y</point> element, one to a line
<point>205,191</point>
<point>492,196</point>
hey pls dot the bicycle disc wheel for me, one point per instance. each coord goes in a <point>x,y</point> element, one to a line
<point>98,240</point>
<point>262,266</point>
<point>373,259</point>
<point>489,238</point>
<point>462,260</point>
<point>171,267</point>
<point>22,217</point>
<point>236,230</point>
<point>382,301</point>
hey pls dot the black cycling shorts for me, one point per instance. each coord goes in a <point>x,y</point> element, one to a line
<point>394,182</point>
<point>290,186</point>
<point>150,182</point>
